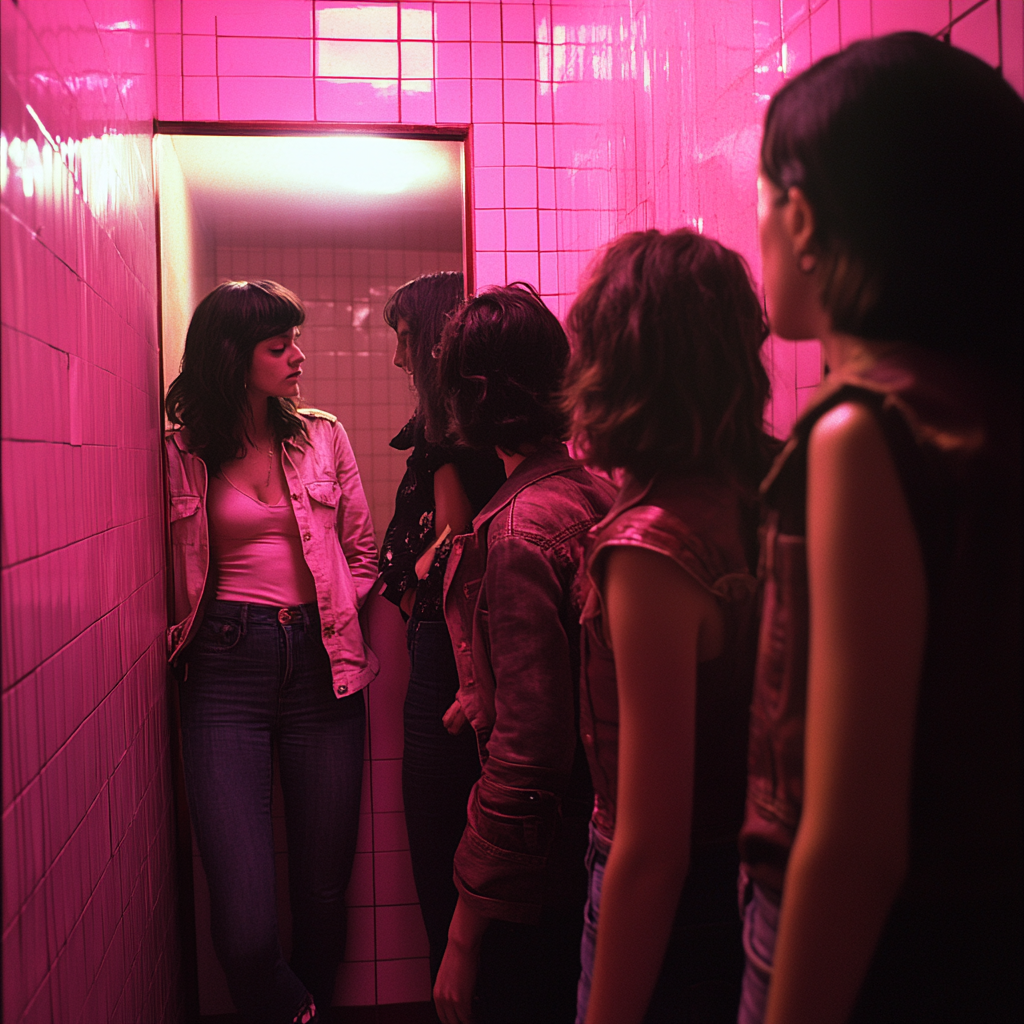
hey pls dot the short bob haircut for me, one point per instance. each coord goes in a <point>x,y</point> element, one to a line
<point>911,155</point>
<point>666,374</point>
<point>503,358</point>
<point>208,397</point>
<point>425,304</point>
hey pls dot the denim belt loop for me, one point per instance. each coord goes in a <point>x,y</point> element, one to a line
<point>307,618</point>
<point>243,618</point>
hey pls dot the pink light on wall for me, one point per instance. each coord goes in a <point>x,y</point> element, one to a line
<point>89,919</point>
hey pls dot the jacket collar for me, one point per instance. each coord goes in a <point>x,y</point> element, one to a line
<point>631,493</point>
<point>945,388</point>
<point>176,435</point>
<point>548,461</point>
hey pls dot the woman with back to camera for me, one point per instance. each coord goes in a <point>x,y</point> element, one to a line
<point>884,798</point>
<point>512,604</point>
<point>444,486</point>
<point>666,385</point>
<point>273,554</point>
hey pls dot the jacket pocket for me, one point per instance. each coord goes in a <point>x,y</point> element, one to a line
<point>184,505</point>
<point>324,503</point>
<point>186,527</point>
<point>325,492</point>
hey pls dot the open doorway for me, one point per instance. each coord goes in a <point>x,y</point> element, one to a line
<point>342,218</point>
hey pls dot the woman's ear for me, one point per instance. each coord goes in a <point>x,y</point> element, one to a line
<point>798,221</point>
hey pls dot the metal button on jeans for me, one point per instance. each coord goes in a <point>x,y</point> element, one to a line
<point>284,616</point>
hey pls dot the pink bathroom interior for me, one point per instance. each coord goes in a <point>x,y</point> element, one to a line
<point>152,148</point>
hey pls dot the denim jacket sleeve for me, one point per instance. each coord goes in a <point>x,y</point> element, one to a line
<point>514,810</point>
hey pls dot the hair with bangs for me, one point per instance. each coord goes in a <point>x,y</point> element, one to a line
<point>425,304</point>
<point>208,398</point>
<point>666,373</point>
<point>911,155</point>
<point>503,359</point>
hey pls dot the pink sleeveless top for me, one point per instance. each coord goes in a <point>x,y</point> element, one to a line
<point>256,549</point>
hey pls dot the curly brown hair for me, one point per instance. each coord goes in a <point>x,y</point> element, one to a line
<point>503,359</point>
<point>666,371</point>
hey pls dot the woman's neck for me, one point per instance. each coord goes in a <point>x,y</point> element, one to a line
<point>258,427</point>
<point>848,352</point>
<point>510,459</point>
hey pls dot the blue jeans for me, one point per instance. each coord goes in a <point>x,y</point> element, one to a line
<point>699,978</point>
<point>259,676</point>
<point>760,928</point>
<point>438,772</point>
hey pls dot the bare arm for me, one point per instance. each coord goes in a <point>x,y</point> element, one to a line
<point>456,977</point>
<point>452,513</point>
<point>655,612</point>
<point>868,604</point>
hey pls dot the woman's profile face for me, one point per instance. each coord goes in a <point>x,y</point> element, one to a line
<point>789,293</point>
<point>403,338</point>
<point>277,366</point>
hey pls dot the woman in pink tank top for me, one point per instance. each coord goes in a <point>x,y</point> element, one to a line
<point>273,553</point>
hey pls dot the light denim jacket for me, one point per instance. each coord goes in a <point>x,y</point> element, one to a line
<point>337,542</point>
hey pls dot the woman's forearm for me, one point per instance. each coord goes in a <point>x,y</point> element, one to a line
<point>640,892</point>
<point>838,895</point>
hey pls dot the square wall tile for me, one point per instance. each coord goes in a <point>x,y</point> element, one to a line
<point>403,981</point>
<point>353,99</point>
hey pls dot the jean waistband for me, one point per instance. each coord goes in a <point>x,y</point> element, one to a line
<point>248,612</point>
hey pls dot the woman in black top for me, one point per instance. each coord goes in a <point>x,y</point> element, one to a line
<point>444,486</point>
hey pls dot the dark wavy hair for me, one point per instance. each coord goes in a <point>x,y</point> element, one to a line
<point>503,357</point>
<point>425,304</point>
<point>666,371</point>
<point>911,155</point>
<point>208,397</point>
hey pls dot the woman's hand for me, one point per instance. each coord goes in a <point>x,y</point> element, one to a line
<point>454,719</point>
<point>456,978</point>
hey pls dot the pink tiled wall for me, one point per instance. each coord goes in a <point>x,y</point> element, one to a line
<point>658,107</point>
<point>89,920</point>
<point>589,117</point>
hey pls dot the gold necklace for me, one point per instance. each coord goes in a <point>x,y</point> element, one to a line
<point>270,460</point>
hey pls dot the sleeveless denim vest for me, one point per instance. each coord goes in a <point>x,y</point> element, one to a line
<point>954,437</point>
<point>708,530</point>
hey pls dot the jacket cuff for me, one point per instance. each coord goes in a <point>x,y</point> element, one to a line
<point>499,883</point>
<point>499,910</point>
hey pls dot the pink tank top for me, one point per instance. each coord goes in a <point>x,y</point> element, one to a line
<point>256,549</point>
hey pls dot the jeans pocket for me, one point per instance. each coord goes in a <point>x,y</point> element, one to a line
<point>760,927</point>
<point>218,634</point>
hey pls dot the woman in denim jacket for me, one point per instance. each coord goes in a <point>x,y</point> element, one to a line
<point>273,554</point>
<point>512,606</point>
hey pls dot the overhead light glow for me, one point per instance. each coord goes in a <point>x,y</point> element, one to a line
<point>306,167</point>
<point>372,165</point>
